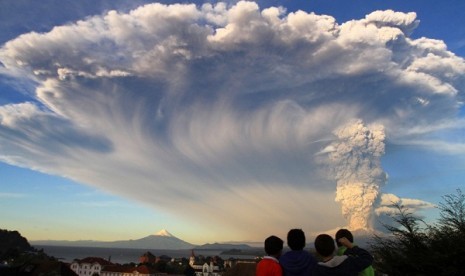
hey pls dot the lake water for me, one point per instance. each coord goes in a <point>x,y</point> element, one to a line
<point>122,255</point>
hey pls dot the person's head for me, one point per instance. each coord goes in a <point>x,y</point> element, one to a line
<point>324,245</point>
<point>344,233</point>
<point>296,239</point>
<point>273,246</point>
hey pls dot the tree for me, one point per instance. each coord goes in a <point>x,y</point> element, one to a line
<point>404,251</point>
<point>430,250</point>
<point>448,237</point>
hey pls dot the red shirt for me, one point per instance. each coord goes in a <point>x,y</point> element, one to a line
<point>269,266</point>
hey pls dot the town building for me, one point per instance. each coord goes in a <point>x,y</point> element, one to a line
<point>124,270</point>
<point>89,266</point>
<point>203,267</point>
<point>163,258</point>
<point>147,258</point>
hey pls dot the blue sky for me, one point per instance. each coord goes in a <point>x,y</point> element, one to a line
<point>120,119</point>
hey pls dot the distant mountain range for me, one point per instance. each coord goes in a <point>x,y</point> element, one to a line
<point>161,240</point>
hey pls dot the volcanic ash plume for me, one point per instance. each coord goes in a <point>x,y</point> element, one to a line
<point>355,160</point>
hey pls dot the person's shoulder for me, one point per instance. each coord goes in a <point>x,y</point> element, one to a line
<point>270,259</point>
<point>268,267</point>
<point>283,258</point>
<point>268,263</point>
<point>291,254</point>
<point>319,269</point>
<point>357,251</point>
<point>286,255</point>
<point>358,258</point>
<point>338,265</point>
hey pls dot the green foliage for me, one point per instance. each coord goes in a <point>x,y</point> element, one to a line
<point>428,250</point>
<point>453,213</point>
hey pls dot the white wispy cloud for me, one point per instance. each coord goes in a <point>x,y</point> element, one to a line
<point>387,202</point>
<point>215,109</point>
<point>12,195</point>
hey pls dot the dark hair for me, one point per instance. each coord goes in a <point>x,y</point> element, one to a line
<point>296,239</point>
<point>273,245</point>
<point>344,233</point>
<point>324,245</point>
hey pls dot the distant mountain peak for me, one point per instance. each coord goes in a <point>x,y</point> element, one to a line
<point>164,233</point>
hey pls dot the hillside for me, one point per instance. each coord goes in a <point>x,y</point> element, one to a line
<point>12,243</point>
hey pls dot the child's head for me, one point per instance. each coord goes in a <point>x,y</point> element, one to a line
<point>296,239</point>
<point>324,245</point>
<point>273,245</point>
<point>344,233</point>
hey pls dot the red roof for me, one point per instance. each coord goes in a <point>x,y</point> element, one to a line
<point>92,260</point>
<point>148,253</point>
<point>144,269</point>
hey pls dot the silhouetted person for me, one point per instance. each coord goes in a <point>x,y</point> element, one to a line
<point>269,265</point>
<point>341,233</point>
<point>297,262</point>
<point>353,261</point>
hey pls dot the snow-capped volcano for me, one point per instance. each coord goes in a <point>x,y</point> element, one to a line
<point>164,233</point>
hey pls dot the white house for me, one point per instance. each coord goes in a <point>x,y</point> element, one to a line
<point>208,270</point>
<point>203,269</point>
<point>89,266</point>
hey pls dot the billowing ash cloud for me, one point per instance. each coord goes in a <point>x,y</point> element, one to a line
<point>355,162</point>
<point>222,110</point>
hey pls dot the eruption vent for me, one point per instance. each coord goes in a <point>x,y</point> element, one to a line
<point>356,166</point>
